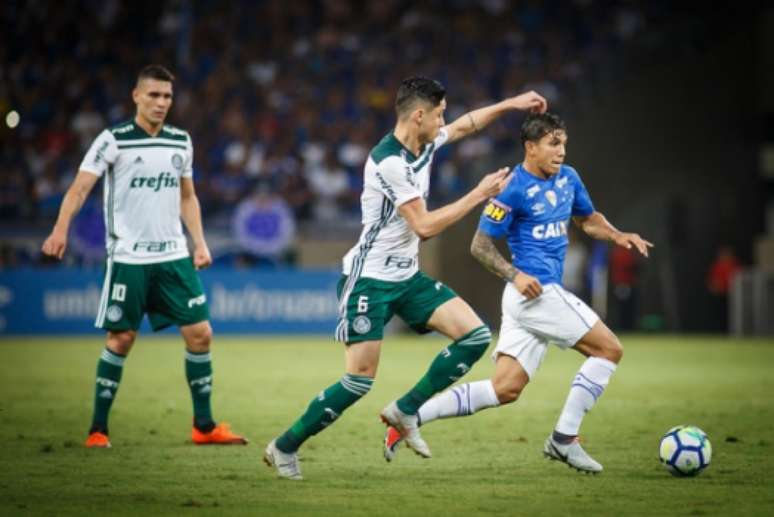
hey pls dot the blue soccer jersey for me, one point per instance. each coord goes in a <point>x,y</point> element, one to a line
<point>534,213</point>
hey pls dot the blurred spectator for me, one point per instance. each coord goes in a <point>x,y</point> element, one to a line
<point>266,87</point>
<point>329,184</point>
<point>624,269</point>
<point>719,280</point>
<point>225,190</point>
<point>87,123</point>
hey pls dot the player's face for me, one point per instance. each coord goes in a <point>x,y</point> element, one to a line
<point>432,121</point>
<point>548,153</point>
<point>153,99</point>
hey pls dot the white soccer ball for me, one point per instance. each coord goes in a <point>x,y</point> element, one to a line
<point>685,450</point>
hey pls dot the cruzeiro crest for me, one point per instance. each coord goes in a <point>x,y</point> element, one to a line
<point>551,197</point>
<point>177,161</point>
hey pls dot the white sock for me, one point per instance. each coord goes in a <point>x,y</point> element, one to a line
<point>587,387</point>
<point>461,400</point>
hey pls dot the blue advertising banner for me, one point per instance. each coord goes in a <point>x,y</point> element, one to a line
<point>65,301</point>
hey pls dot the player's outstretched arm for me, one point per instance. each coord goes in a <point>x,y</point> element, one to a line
<point>56,243</point>
<point>428,224</point>
<point>597,226</point>
<point>484,250</point>
<point>477,120</point>
<point>191,213</point>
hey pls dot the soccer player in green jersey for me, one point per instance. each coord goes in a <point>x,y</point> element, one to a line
<point>149,188</point>
<point>381,276</point>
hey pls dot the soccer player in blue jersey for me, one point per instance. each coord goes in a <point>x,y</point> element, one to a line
<point>533,213</point>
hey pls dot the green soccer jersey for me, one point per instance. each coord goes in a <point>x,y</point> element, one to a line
<point>388,248</point>
<point>142,191</point>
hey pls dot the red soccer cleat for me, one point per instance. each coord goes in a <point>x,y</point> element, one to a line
<point>220,435</point>
<point>392,440</point>
<point>97,440</point>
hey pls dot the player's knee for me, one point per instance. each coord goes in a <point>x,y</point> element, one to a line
<point>613,350</point>
<point>120,342</point>
<point>199,340</point>
<point>508,393</point>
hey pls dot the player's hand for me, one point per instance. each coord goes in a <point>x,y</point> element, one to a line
<point>202,257</point>
<point>530,101</point>
<point>627,240</point>
<point>55,245</point>
<point>527,285</point>
<point>492,184</point>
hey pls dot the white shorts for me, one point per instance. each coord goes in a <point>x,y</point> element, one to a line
<point>556,316</point>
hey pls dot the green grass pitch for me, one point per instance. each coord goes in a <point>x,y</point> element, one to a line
<point>490,463</point>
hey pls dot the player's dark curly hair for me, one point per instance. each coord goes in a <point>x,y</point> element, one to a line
<point>158,72</point>
<point>538,125</point>
<point>416,89</point>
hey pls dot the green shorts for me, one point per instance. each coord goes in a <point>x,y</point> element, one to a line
<point>372,303</point>
<point>169,292</point>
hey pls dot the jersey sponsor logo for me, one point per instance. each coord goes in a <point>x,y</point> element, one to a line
<point>154,246</point>
<point>361,324</point>
<point>496,211</point>
<point>551,197</point>
<point>199,300</point>
<point>155,183</point>
<point>538,208</point>
<point>534,189</point>
<point>399,262</point>
<point>561,182</point>
<point>177,161</point>
<point>549,231</point>
<point>114,313</point>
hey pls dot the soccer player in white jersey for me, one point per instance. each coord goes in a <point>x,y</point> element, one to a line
<point>533,213</point>
<point>381,276</point>
<point>149,188</point>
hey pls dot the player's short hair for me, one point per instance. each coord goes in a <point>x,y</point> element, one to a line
<point>538,125</point>
<point>157,72</point>
<point>418,89</point>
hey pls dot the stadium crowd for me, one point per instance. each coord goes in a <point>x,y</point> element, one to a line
<point>284,98</point>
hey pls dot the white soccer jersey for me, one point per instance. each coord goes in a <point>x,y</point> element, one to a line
<point>388,248</point>
<point>142,191</point>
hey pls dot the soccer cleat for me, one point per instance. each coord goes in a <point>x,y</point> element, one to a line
<point>408,428</point>
<point>97,440</point>
<point>572,454</point>
<point>392,439</point>
<point>286,463</point>
<point>221,434</point>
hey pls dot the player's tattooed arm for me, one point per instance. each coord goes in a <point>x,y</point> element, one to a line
<point>484,250</point>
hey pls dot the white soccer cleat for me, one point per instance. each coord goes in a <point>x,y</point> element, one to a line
<point>286,463</point>
<point>572,454</point>
<point>392,439</point>
<point>407,426</point>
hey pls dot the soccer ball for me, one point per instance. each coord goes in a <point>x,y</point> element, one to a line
<point>685,450</point>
